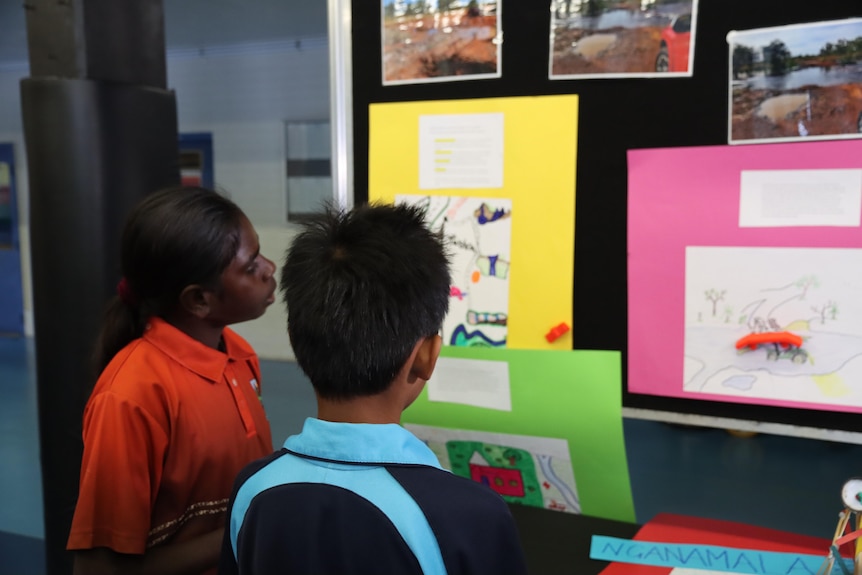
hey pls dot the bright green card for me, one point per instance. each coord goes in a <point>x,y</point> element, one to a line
<point>561,445</point>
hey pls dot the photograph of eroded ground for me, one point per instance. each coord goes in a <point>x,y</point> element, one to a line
<point>797,82</point>
<point>621,37</point>
<point>439,40</point>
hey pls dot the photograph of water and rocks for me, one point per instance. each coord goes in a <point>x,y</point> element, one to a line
<point>796,82</point>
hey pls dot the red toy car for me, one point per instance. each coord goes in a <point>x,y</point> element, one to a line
<point>779,345</point>
<point>784,339</point>
<point>675,41</point>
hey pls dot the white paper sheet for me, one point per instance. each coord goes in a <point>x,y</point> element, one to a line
<point>478,234</point>
<point>461,151</point>
<point>788,198</point>
<point>471,382</point>
<point>544,464</point>
<point>731,292</point>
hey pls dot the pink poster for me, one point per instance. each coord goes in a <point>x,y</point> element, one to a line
<point>733,245</point>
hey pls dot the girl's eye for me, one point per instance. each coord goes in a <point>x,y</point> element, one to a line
<point>252,268</point>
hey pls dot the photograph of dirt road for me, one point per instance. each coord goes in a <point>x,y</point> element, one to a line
<point>440,40</point>
<point>622,38</point>
<point>797,82</point>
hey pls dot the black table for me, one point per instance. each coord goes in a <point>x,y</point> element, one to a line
<point>556,542</point>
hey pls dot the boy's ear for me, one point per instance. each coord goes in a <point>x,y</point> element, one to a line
<point>195,300</point>
<point>426,356</point>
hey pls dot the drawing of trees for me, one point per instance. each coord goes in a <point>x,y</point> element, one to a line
<point>807,282</point>
<point>728,313</point>
<point>714,296</point>
<point>829,309</point>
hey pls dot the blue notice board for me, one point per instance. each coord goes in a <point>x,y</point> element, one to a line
<point>196,159</point>
<point>11,292</point>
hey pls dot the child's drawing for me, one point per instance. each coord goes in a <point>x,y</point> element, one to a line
<point>535,471</point>
<point>814,293</point>
<point>478,232</point>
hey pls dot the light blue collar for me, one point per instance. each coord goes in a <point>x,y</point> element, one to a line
<point>360,443</point>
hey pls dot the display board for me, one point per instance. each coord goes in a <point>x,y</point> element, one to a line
<point>621,108</point>
<point>471,165</point>
<point>748,256</point>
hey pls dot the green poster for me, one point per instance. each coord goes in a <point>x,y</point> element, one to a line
<point>559,447</point>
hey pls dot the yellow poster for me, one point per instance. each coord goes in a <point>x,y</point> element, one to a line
<point>499,174</point>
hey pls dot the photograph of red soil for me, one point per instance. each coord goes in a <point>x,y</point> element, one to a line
<point>415,50</point>
<point>613,51</point>
<point>767,114</point>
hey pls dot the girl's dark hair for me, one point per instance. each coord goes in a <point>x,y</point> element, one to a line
<point>174,238</point>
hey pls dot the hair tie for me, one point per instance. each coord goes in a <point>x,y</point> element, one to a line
<point>124,290</point>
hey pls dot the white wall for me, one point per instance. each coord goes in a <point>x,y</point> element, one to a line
<point>242,94</point>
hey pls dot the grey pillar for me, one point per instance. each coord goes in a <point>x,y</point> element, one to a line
<point>101,132</point>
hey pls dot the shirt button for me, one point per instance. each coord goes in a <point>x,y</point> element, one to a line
<point>234,383</point>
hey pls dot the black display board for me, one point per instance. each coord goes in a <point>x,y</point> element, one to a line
<point>615,115</point>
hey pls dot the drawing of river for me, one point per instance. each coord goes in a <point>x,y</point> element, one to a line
<point>827,354</point>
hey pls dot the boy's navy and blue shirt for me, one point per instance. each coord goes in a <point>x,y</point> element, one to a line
<point>350,499</point>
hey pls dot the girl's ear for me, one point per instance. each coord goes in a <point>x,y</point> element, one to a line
<point>195,300</point>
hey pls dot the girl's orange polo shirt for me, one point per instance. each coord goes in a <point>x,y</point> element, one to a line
<point>169,425</point>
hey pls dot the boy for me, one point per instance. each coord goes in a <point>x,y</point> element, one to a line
<point>366,293</point>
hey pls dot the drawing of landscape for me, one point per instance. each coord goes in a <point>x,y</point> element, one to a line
<point>814,293</point>
<point>534,471</point>
<point>478,233</point>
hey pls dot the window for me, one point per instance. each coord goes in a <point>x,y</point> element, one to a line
<point>309,173</point>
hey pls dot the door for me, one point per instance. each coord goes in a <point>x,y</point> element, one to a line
<point>11,294</point>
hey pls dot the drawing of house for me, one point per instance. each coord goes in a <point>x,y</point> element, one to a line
<point>504,481</point>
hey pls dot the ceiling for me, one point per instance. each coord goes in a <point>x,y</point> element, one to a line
<point>198,23</point>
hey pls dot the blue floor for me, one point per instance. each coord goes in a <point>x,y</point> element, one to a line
<point>779,482</point>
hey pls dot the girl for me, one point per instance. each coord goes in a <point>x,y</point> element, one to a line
<point>175,414</point>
